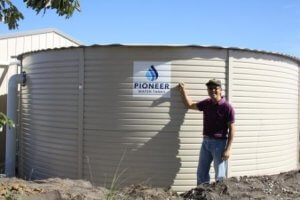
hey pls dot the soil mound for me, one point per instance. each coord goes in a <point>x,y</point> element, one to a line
<point>283,186</point>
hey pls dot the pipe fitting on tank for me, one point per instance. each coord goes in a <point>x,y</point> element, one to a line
<point>23,79</point>
<point>15,62</point>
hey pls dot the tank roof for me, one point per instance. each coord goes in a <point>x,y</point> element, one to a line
<point>172,45</point>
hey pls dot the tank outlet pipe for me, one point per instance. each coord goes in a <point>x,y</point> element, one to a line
<point>10,151</point>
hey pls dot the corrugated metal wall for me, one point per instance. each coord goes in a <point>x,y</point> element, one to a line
<point>101,131</point>
<point>265,96</point>
<point>152,141</point>
<point>49,115</point>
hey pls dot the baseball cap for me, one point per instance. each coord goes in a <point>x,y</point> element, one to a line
<point>214,81</point>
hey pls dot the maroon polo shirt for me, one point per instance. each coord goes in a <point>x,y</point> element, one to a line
<point>216,117</point>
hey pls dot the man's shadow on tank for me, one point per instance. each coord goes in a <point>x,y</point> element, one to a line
<point>162,163</point>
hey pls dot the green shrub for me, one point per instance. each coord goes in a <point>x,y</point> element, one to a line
<point>4,120</point>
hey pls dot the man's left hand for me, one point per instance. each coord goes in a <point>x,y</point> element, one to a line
<point>226,154</point>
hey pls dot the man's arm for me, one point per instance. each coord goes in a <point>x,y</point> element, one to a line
<point>186,99</point>
<point>227,151</point>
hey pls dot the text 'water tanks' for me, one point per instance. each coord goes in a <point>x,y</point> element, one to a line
<point>107,112</point>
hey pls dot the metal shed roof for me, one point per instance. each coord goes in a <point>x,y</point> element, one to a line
<point>41,31</point>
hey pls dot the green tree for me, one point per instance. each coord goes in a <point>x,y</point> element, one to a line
<point>10,15</point>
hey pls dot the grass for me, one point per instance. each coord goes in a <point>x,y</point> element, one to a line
<point>115,181</point>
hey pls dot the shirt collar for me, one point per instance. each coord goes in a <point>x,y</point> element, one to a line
<point>222,101</point>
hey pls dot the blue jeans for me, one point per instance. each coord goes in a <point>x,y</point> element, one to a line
<point>211,150</point>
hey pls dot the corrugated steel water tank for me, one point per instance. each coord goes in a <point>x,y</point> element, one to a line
<point>107,113</point>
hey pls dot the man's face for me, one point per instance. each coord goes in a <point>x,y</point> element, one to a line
<point>214,91</point>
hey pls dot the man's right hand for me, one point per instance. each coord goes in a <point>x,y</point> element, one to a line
<point>186,100</point>
<point>181,86</point>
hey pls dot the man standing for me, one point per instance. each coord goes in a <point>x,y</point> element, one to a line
<point>218,130</point>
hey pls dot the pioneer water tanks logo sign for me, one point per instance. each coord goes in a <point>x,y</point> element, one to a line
<point>151,79</point>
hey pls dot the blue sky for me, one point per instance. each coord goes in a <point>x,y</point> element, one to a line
<point>270,25</point>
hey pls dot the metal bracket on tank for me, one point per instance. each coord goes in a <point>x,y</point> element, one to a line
<point>23,79</point>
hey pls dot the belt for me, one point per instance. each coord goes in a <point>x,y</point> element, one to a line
<point>213,138</point>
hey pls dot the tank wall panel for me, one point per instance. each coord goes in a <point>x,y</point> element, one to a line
<point>265,96</point>
<point>144,139</point>
<point>49,117</point>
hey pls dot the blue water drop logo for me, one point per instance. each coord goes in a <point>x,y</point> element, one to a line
<point>152,74</point>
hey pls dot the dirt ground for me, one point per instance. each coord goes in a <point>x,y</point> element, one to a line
<point>282,186</point>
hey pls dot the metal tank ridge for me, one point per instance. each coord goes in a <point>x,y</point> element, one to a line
<point>111,113</point>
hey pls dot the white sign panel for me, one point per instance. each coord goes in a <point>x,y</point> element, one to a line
<point>151,79</point>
